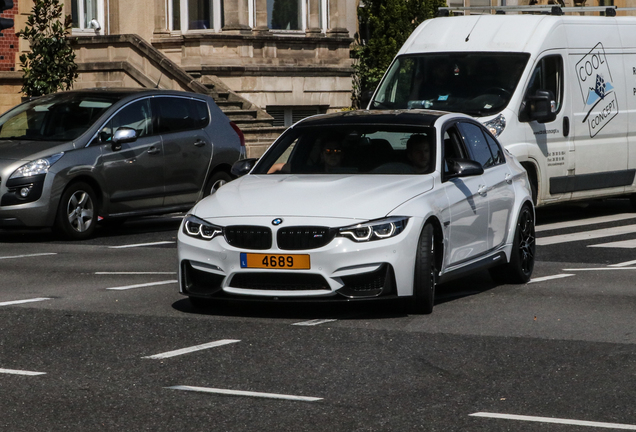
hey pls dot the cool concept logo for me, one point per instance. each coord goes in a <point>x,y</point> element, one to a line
<point>597,90</point>
<point>277,221</point>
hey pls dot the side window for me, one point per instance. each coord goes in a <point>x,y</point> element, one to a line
<point>477,145</point>
<point>547,75</point>
<point>495,149</point>
<point>453,147</point>
<point>137,116</point>
<point>176,114</point>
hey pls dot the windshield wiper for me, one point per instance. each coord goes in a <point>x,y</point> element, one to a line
<point>377,103</point>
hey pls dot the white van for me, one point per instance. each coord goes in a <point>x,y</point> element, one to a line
<point>558,91</point>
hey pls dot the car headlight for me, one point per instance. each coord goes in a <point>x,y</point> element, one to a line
<point>497,125</point>
<point>375,230</point>
<point>198,228</point>
<point>38,166</point>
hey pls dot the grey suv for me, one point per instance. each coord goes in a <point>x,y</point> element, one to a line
<point>72,158</point>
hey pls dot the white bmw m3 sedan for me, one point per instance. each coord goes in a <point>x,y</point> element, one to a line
<point>362,205</point>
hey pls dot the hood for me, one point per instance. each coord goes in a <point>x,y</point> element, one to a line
<point>26,150</point>
<point>340,196</point>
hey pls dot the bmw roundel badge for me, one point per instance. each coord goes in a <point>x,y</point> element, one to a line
<point>277,221</point>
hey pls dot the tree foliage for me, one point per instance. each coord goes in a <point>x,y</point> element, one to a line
<point>50,65</point>
<point>384,27</point>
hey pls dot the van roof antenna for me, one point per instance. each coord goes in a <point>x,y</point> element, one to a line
<point>160,76</point>
<point>471,30</point>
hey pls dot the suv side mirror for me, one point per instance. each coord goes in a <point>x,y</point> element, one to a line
<point>463,168</point>
<point>123,135</point>
<point>542,106</point>
<point>242,167</point>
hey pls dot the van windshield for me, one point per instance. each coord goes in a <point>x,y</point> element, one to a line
<point>475,83</point>
<point>57,117</point>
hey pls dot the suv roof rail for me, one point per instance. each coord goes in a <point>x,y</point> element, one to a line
<point>542,9</point>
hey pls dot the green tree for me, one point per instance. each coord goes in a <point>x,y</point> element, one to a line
<point>384,27</point>
<point>50,65</point>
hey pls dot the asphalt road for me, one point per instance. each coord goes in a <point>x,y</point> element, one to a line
<point>96,345</point>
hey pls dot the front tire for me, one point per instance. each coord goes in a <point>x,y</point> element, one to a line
<point>519,269</point>
<point>426,273</point>
<point>76,215</point>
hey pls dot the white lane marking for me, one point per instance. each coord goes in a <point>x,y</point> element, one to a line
<point>314,322</point>
<point>140,245</point>
<point>135,273</point>
<point>192,349</point>
<point>600,268</point>
<point>586,235</point>
<point>21,372</point>
<point>245,393</point>
<point>555,420</point>
<point>142,285</point>
<point>623,264</point>
<point>28,256</point>
<point>624,244</point>
<point>15,302</point>
<point>545,278</point>
<point>583,222</point>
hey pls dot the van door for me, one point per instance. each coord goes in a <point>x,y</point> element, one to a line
<point>600,113</point>
<point>555,155</point>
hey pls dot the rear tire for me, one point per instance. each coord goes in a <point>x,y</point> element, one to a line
<point>519,269</point>
<point>426,272</point>
<point>217,180</point>
<point>76,215</point>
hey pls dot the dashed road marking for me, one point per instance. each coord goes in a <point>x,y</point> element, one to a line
<point>245,393</point>
<point>623,264</point>
<point>135,273</point>
<point>121,288</point>
<point>15,302</point>
<point>623,244</point>
<point>555,420</point>
<point>586,235</point>
<point>192,349</point>
<point>141,245</point>
<point>600,268</point>
<point>583,222</point>
<point>545,278</point>
<point>21,372</point>
<point>28,256</point>
<point>314,322</point>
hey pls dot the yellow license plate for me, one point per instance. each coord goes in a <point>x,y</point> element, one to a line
<point>273,261</point>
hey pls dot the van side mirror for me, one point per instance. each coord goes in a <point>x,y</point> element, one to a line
<point>242,167</point>
<point>542,106</point>
<point>123,135</point>
<point>463,168</point>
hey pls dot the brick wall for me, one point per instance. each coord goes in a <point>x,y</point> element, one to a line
<point>9,41</point>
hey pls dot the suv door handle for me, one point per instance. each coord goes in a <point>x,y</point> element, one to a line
<point>482,190</point>
<point>153,150</point>
<point>199,143</point>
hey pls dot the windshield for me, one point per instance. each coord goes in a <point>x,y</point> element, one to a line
<point>58,117</point>
<point>476,84</point>
<point>352,149</point>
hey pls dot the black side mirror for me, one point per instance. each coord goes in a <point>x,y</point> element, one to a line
<point>123,135</point>
<point>242,167</point>
<point>463,168</point>
<point>542,106</point>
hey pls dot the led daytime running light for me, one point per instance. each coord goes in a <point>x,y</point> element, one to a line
<point>198,228</point>
<point>374,230</point>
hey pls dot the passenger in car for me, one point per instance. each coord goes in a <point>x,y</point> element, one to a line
<point>418,152</point>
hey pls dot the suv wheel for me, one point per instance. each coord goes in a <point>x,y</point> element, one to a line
<point>77,214</point>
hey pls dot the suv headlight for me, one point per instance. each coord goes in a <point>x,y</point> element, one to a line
<point>497,125</point>
<point>375,230</point>
<point>198,228</point>
<point>38,166</point>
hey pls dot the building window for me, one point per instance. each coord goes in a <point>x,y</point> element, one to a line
<point>287,116</point>
<point>287,14</point>
<point>87,15</point>
<point>187,15</point>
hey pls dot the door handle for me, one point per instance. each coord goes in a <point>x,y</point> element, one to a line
<point>482,190</point>
<point>153,150</point>
<point>508,179</point>
<point>199,143</point>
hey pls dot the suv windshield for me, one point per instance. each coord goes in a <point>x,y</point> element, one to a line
<point>58,117</point>
<point>476,84</point>
<point>352,149</point>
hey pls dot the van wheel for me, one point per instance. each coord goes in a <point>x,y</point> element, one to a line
<point>519,269</point>
<point>77,214</point>
<point>425,278</point>
<point>217,180</point>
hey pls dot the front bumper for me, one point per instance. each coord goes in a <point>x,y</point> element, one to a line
<point>340,270</point>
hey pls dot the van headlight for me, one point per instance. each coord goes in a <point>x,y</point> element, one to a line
<point>497,125</point>
<point>36,167</point>
<point>198,228</point>
<point>374,230</point>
